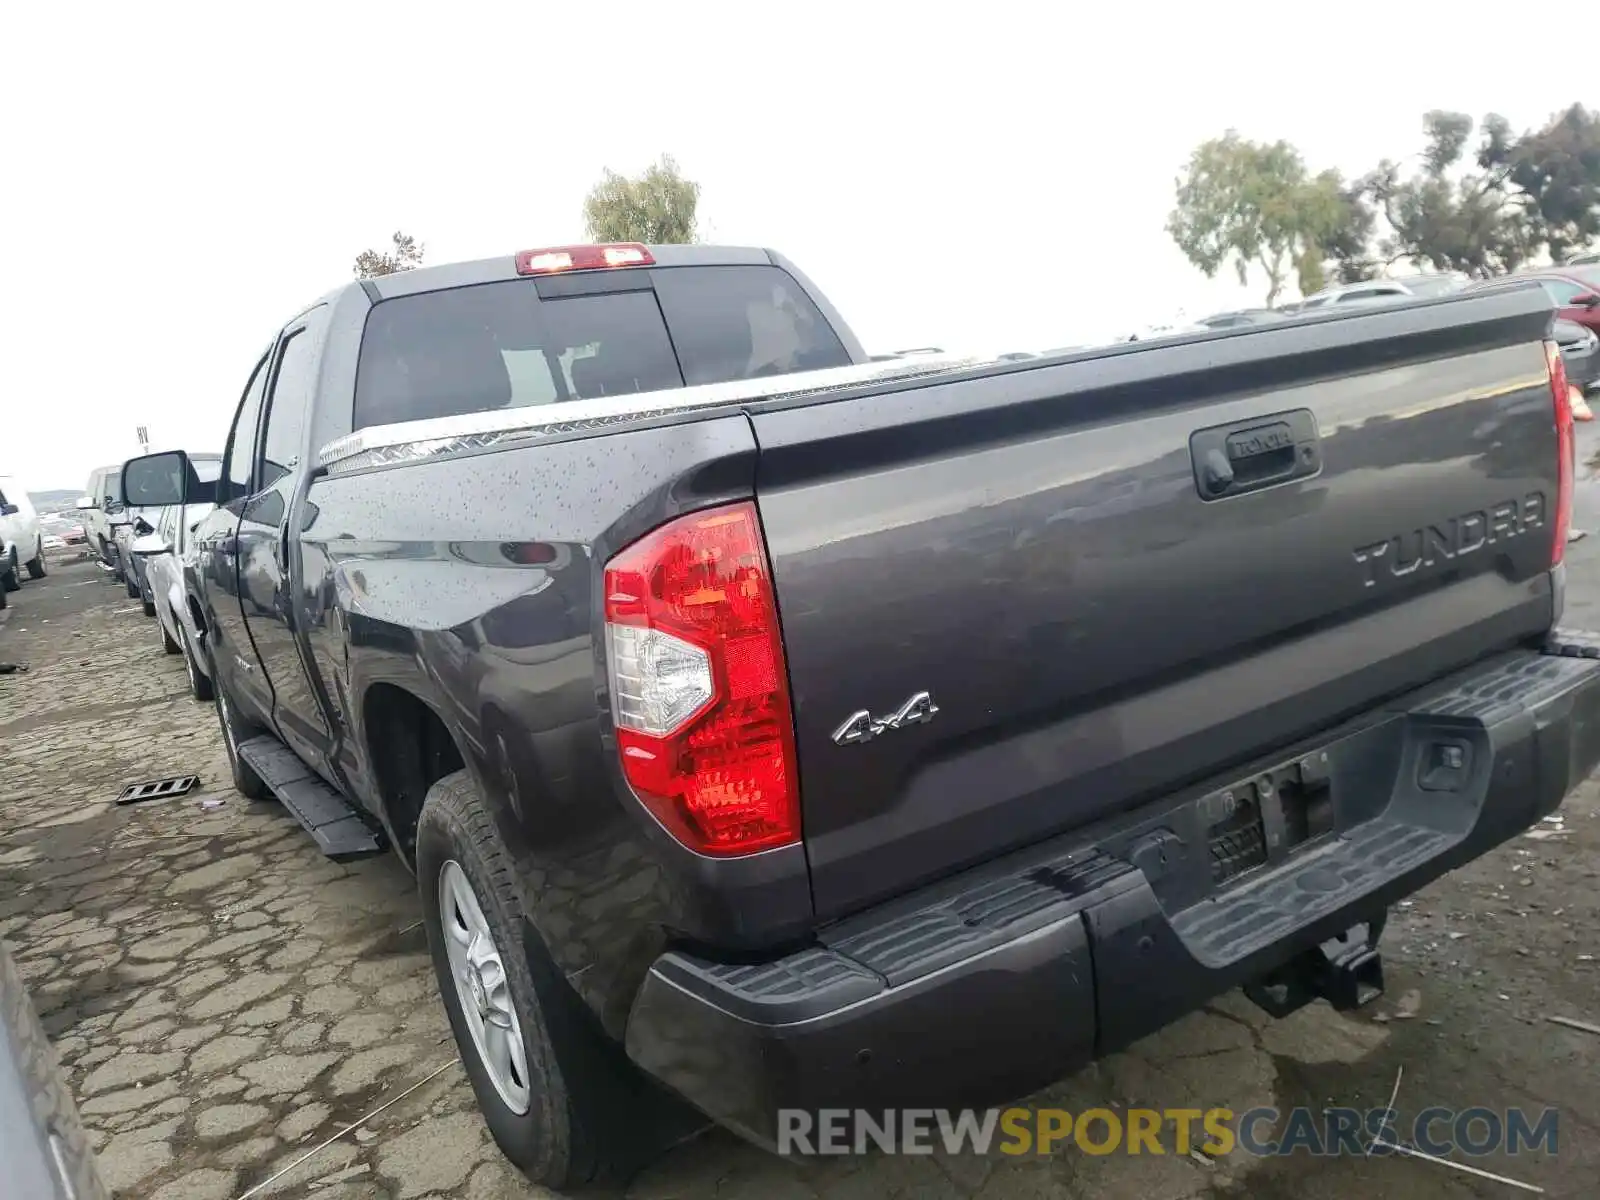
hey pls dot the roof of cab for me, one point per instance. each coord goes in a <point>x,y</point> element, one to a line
<point>501,267</point>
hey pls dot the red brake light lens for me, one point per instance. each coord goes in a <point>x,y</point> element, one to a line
<point>699,686</point>
<point>1566,449</point>
<point>556,259</point>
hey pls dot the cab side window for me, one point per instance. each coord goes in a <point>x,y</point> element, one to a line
<point>240,457</point>
<point>286,415</point>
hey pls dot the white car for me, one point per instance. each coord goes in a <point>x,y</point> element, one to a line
<point>169,559</point>
<point>21,540</point>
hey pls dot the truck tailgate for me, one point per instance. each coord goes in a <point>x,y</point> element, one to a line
<point>1030,547</point>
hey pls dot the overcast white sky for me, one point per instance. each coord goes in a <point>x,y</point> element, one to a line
<point>179,178</point>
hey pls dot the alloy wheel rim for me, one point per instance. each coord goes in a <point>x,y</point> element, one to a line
<point>483,989</point>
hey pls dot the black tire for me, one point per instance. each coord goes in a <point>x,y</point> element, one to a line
<point>36,567</point>
<point>168,646</point>
<point>8,578</point>
<point>236,729</point>
<point>199,682</point>
<point>3,600</point>
<point>581,1083</point>
<point>109,556</point>
<point>130,584</point>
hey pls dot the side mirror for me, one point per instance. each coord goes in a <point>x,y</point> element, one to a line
<point>1588,301</point>
<point>9,510</point>
<point>156,480</point>
<point>85,503</point>
<point>150,544</point>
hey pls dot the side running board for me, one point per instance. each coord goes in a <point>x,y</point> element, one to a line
<point>328,818</point>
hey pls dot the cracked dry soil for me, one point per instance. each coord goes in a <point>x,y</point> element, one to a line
<point>223,998</point>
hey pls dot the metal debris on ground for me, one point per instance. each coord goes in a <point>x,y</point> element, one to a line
<point>1571,1023</point>
<point>1393,1096</point>
<point>158,789</point>
<point>1555,825</point>
<point>212,804</point>
<point>1413,1152</point>
<point>325,1143</point>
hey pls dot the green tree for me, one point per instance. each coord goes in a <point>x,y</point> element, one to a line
<point>1529,194</point>
<point>658,207</point>
<point>1554,170</point>
<point>405,256</point>
<point>1255,204</point>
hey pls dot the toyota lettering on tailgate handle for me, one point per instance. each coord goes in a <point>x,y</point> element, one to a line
<point>1246,456</point>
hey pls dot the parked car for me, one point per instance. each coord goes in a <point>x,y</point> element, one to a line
<point>1229,320</point>
<point>1587,258</point>
<point>103,513</point>
<point>169,557</point>
<point>43,1144</point>
<point>62,533</point>
<point>142,522</point>
<point>1581,349</point>
<point>1013,783</point>
<point>1385,291</point>
<point>21,539</point>
<point>1243,316</point>
<point>1574,290</point>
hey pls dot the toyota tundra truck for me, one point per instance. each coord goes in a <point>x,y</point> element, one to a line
<point>770,726</point>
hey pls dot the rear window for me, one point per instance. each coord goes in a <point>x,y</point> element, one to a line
<point>499,345</point>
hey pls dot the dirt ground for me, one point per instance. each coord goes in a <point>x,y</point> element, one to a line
<point>224,999</point>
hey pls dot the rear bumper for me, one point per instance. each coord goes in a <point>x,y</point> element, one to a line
<point>994,984</point>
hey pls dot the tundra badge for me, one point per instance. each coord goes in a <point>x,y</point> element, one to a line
<point>863,726</point>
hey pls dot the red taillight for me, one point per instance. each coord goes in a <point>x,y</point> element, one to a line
<point>699,687</point>
<point>583,258</point>
<point>1566,449</point>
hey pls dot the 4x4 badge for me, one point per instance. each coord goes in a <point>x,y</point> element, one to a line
<point>863,726</point>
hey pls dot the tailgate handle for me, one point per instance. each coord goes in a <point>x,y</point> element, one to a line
<point>1230,460</point>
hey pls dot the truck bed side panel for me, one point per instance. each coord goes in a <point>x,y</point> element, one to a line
<point>470,582</point>
<point>1032,550</point>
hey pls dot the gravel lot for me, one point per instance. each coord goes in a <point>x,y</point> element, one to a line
<point>224,998</point>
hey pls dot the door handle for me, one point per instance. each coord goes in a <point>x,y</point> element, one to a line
<point>1246,456</point>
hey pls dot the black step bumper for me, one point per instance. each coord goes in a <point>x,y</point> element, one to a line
<point>989,986</point>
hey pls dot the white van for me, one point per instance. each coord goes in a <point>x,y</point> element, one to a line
<point>21,539</point>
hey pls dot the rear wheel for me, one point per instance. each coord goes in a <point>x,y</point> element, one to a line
<point>235,729</point>
<point>8,575</point>
<point>547,1080</point>
<point>36,568</point>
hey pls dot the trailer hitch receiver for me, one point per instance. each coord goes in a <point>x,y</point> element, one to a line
<point>1346,971</point>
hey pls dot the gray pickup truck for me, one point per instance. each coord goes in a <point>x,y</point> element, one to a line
<point>769,726</point>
